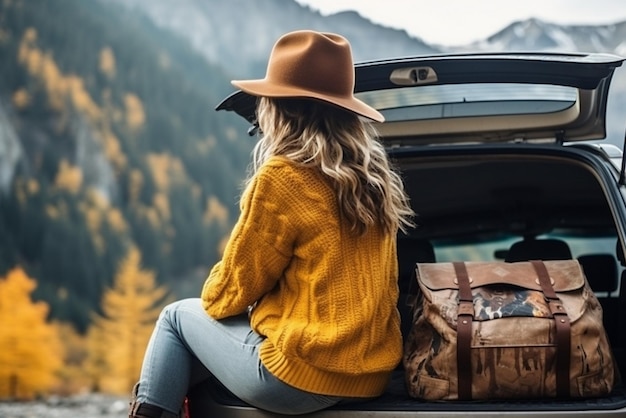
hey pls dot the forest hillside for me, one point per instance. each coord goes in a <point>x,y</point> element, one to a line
<point>109,140</point>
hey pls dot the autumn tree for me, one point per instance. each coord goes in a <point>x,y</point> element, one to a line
<point>31,352</point>
<point>119,336</point>
<point>107,62</point>
<point>72,378</point>
<point>96,367</point>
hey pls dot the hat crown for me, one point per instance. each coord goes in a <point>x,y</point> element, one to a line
<point>311,65</point>
<point>313,61</point>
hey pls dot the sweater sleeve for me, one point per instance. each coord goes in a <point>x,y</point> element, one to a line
<point>259,249</point>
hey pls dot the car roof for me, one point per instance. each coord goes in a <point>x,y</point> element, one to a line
<point>481,97</point>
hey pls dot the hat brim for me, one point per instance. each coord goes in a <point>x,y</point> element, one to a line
<point>263,88</point>
<point>241,103</point>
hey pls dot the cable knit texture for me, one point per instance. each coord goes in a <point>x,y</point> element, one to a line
<point>325,296</point>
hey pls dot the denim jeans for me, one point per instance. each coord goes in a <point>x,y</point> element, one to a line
<point>187,346</point>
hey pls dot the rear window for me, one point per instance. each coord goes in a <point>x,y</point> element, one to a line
<point>466,100</point>
<point>494,250</point>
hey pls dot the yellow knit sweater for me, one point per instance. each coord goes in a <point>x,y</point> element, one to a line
<point>325,296</point>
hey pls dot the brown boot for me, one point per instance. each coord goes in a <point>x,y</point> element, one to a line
<point>145,410</point>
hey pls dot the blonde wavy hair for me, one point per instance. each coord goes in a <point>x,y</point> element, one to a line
<point>343,147</point>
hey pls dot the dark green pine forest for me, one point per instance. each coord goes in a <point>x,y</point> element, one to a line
<point>109,140</point>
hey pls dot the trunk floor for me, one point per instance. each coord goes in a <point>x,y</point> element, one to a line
<point>396,399</point>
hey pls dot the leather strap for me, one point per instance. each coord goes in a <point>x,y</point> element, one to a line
<point>464,332</point>
<point>563,332</point>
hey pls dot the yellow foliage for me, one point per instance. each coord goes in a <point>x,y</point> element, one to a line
<point>215,212</point>
<point>72,377</point>
<point>21,99</point>
<point>54,81</point>
<point>107,62</point>
<point>97,199</point>
<point>116,220</point>
<point>166,170</point>
<point>205,146</point>
<point>93,218</point>
<point>232,134</point>
<point>57,210</point>
<point>59,87</point>
<point>67,89</point>
<point>30,35</point>
<point>136,184</point>
<point>113,150</point>
<point>160,166</point>
<point>120,336</point>
<point>69,177</point>
<point>31,351</point>
<point>98,212</point>
<point>81,98</point>
<point>26,188</point>
<point>158,212</point>
<point>31,57</point>
<point>52,212</point>
<point>135,115</point>
<point>96,365</point>
<point>162,205</point>
<point>32,186</point>
<point>151,214</point>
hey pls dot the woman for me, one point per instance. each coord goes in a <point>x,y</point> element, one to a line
<point>300,313</point>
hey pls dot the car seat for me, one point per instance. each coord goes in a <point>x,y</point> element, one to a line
<point>602,275</point>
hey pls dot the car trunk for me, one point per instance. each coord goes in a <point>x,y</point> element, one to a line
<point>472,202</point>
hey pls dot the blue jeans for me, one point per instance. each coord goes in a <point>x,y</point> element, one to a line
<point>187,346</point>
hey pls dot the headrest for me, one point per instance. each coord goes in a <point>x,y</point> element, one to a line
<point>539,249</point>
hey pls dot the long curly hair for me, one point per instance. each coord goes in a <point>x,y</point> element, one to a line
<point>342,146</point>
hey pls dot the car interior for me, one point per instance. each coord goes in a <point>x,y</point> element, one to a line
<point>514,204</point>
<point>506,203</point>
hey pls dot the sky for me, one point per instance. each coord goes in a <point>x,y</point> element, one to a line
<point>460,22</point>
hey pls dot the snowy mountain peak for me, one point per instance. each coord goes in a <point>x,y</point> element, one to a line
<point>537,35</point>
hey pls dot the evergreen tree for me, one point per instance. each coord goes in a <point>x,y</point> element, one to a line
<point>119,337</point>
<point>31,350</point>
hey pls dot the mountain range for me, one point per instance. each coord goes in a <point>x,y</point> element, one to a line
<point>537,35</point>
<point>239,34</point>
<point>109,139</point>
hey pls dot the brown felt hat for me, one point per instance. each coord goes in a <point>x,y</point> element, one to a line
<point>309,64</point>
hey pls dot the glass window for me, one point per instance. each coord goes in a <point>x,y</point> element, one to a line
<point>462,100</point>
